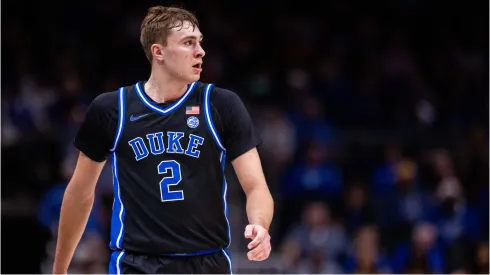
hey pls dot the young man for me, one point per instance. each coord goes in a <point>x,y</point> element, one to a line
<point>169,138</point>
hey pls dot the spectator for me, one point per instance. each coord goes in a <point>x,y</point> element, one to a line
<point>422,254</point>
<point>331,90</point>
<point>358,210</point>
<point>318,232</point>
<point>366,256</point>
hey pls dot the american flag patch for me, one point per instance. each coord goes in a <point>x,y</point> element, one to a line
<point>192,110</point>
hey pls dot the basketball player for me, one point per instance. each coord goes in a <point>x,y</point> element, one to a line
<point>168,138</point>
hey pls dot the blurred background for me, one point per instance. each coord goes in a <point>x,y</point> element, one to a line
<point>374,116</point>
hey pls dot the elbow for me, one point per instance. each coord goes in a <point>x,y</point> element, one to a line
<point>80,193</point>
<point>261,190</point>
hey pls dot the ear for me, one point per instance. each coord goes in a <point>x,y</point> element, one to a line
<point>157,51</point>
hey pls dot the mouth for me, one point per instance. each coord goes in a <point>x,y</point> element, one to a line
<point>198,66</point>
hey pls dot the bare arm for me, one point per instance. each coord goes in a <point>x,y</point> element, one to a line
<point>240,138</point>
<point>75,210</point>
<point>260,206</point>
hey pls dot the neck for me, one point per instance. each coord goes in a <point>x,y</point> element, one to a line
<point>161,87</point>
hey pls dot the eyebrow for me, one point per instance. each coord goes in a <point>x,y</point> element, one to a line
<point>192,37</point>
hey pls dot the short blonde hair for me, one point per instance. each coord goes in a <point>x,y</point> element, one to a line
<point>158,22</point>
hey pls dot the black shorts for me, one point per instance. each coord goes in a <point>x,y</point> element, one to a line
<point>124,262</point>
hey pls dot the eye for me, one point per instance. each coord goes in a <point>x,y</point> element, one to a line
<point>188,43</point>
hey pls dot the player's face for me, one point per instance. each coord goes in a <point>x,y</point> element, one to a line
<point>183,54</point>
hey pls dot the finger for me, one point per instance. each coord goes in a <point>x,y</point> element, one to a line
<point>259,257</point>
<point>261,236</point>
<point>267,250</point>
<point>257,250</point>
<point>249,231</point>
<point>258,239</point>
<point>262,254</point>
<point>255,256</point>
<point>266,240</point>
<point>264,246</point>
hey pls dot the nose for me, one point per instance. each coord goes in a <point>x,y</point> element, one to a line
<point>200,51</point>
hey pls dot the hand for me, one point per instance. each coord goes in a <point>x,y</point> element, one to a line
<point>260,244</point>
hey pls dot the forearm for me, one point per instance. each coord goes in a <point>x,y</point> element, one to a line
<point>260,206</point>
<point>75,211</point>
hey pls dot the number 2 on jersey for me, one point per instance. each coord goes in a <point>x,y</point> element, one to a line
<point>172,167</point>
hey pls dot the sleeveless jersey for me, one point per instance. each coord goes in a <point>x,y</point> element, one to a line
<point>168,167</point>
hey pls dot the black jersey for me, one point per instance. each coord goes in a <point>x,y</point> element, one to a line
<point>168,165</point>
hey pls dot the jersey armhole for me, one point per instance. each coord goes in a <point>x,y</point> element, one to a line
<point>120,120</point>
<point>209,119</point>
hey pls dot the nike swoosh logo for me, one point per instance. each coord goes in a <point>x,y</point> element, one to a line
<point>134,118</point>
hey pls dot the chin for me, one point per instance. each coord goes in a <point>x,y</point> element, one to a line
<point>194,78</point>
